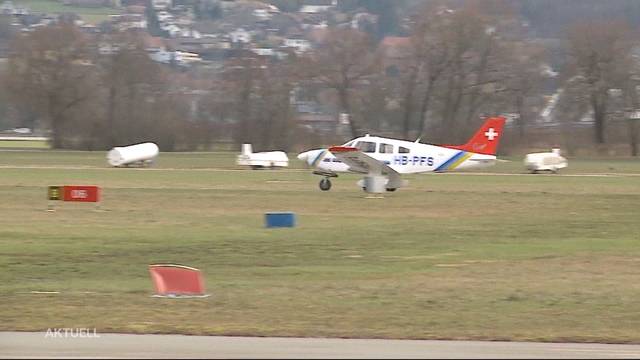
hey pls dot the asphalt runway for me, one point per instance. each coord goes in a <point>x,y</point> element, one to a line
<point>96,345</point>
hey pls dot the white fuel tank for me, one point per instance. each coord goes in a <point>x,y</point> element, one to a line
<point>145,152</point>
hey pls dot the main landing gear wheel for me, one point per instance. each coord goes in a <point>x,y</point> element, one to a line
<point>325,184</point>
<point>391,189</point>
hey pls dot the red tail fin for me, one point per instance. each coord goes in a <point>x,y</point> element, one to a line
<point>485,140</point>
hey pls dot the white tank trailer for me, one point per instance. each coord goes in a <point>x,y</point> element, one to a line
<point>140,154</point>
<point>546,161</point>
<point>260,160</point>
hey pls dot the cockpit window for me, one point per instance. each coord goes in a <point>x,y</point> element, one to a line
<point>403,150</point>
<point>385,148</point>
<point>349,144</point>
<point>366,146</point>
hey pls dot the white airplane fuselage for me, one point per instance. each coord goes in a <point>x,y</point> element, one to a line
<point>405,157</point>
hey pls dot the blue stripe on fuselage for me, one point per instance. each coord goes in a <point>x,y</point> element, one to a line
<point>315,161</point>
<point>448,163</point>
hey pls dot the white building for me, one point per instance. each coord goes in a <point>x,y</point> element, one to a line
<point>300,45</point>
<point>7,8</point>
<point>189,33</point>
<point>262,14</point>
<point>129,21</point>
<point>172,29</point>
<point>263,51</point>
<point>161,4</point>
<point>181,58</point>
<point>164,16</point>
<point>315,9</point>
<point>106,48</point>
<point>240,36</point>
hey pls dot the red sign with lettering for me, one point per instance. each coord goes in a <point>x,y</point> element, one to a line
<point>81,193</point>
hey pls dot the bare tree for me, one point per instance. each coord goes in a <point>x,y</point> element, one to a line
<point>409,71</point>
<point>260,92</point>
<point>454,70</point>
<point>130,80</point>
<point>525,73</point>
<point>469,79</point>
<point>6,30</point>
<point>371,108</point>
<point>342,63</point>
<point>239,80</point>
<point>48,71</point>
<point>277,115</point>
<point>631,105</point>
<point>600,54</point>
<point>433,58</point>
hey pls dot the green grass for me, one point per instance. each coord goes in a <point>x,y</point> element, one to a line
<point>93,15</point>
<point>474,256</point>
<point>23,144</point>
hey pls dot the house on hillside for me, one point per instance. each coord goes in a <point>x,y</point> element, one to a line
<point>262,14</point>
<point>240,35</point>
<point>181,58</point>
<point>362,21</point>
<point>315,9</point>
<point>204,44</point>
<point>128,21</point>
<point>161,4</point>
<point>8,8</point>
<point>107,48</point>
<point>300,46</point>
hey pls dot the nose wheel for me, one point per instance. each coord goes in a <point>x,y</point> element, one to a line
<point>325,184</point>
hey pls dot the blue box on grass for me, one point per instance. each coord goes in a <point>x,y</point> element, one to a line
<point>280,219</point>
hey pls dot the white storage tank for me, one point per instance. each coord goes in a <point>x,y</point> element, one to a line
<point>546,161</point>
<point>139,153</point>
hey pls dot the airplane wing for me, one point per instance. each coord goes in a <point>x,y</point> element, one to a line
<point>361,162</point>
<point>365,164</point>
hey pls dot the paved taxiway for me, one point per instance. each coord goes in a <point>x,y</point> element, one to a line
<point>38,345</point>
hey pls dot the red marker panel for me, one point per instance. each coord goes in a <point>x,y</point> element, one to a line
<point>81,193</point>
<point>170,279</point>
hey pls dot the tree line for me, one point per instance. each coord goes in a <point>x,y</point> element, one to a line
<point>456,66</point>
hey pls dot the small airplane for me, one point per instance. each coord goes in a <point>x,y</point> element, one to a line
<point>383,160</point>
<point>262,160</point>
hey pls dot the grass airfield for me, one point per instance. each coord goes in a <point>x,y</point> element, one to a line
<point>498,255</point>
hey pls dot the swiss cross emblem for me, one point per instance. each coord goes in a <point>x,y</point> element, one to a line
<point>491,134</point>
